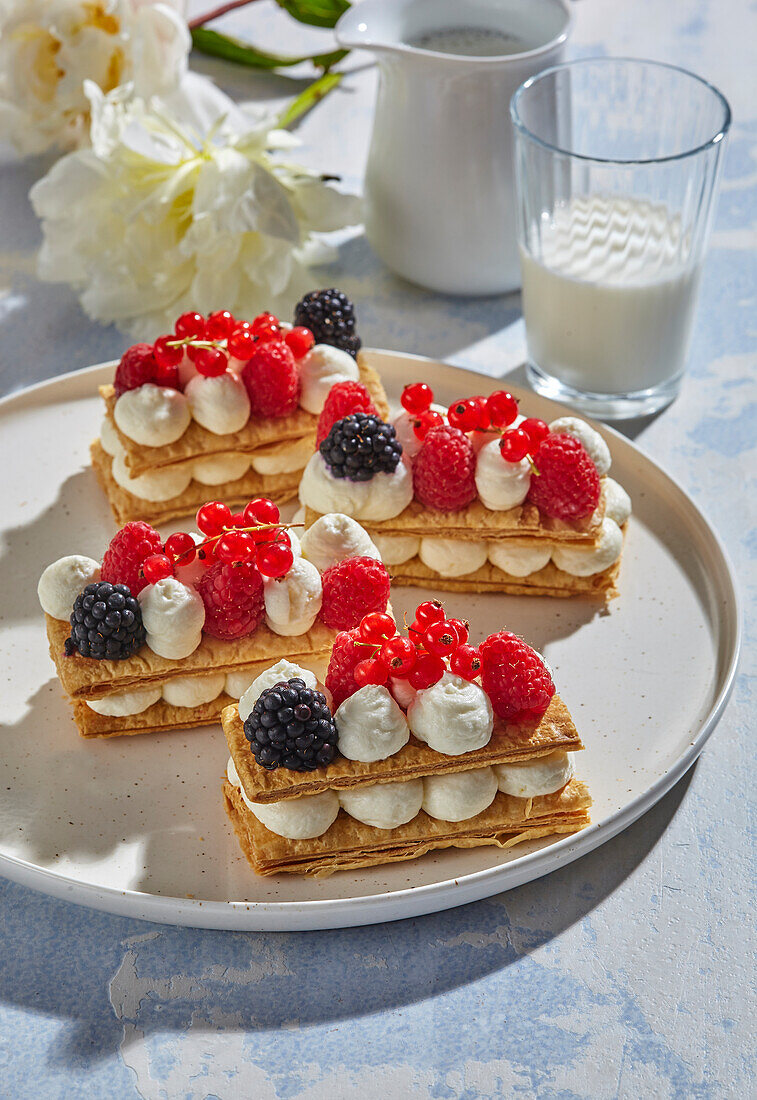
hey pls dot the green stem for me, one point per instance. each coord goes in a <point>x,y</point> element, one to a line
<point>307,99</point>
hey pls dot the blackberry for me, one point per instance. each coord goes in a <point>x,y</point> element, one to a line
<point>359,446</point>
<point>106,623</point>
<point>330,316</point>
<point>291,726</point>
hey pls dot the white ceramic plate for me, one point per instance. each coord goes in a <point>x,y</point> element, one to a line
<point>136,826</point>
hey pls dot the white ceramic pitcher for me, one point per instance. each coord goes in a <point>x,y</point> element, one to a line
<point>439,184</point>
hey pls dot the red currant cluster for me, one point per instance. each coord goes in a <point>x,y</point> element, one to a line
<point>210,341</point>
<point>419,658</point>
<point>494,413</point>
<point>254,536</point>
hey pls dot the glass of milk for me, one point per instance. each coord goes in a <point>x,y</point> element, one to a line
<point>617,168</point>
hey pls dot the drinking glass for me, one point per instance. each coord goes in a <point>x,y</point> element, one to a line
<point>617,168</point>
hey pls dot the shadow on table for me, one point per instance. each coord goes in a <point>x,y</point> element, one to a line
<point>106,973</point>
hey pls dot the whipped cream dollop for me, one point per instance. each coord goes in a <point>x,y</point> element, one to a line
<point>452,557</point>
<point>156,485</point>
<point>518,561</point>
<point>591,440</point>
<point>193,691</point>
<point>383,497</point>
<point>334,537</point>
<point>617,501</point>
<point>383,805</point>
<point>283,670</point>
<point>292,602</point>
<point>584,562</point>
<point>152,415</point>
<point>124,703</point>
<point>322,368</point>
<point>501,485</point>
<point>173,615</point>
<point>109,440</point>
<point>284,458</point>
<point>219,404</point>
<point>396,549</point>
<point>452,716</point>
<point>62,582</point>
<point>370,724</point>
<point>532,778</point>
<point>458,796</point>
<point>294,818</point>
<point>218,469</point>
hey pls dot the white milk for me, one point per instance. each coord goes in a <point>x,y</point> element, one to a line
<point>469,42</point>
<point>609,309</point>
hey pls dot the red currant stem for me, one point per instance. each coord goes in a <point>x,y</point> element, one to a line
<point>186,341</point>
<point>210,539</point>
<point>532,464</point>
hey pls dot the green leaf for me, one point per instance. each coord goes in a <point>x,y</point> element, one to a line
<point>317,13</point>
<point>233,49</point>
<point>306,100</point>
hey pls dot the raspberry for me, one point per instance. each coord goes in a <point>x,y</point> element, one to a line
<point>137,366</point>
<point>343,399</point>
<point>346,653</point>
<point>129,548</point>
<point>568,483</point>
<point>233,598</point>
<point>515,678</point>
<point>272,380</point>
<point>351,589</point>
<point>444,470</point>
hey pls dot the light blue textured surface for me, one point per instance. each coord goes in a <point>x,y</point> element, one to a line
<point>627,974</point>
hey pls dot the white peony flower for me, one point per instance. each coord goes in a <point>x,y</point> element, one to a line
<point>48,48</point>
<point>182,203</point>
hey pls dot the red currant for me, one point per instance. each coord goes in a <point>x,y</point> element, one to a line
<point>261,510</point>
<point>415,633</point>
<point>502,408</point>
<point>192,351</point>
<point>238,520</point>
<point>376,627</point>
<point>484,419</point>
<point>466,662</point>
<point>241,341</point>
<point>416,398</point>
<point>219,325</point>
<point>425,422</point>
<point>190,325</point>
<point>211,362</point>
<point>299,341</point>
<point>514,445</point>
<point>274,559</point>
<point>398,655</point>
<point>431,611</point>
<point>370,671</point>
<point>266,326</point>
<point>428,668</point>
<point>464,414</point>
<point>235,546</point>
<point>441,638</point>
<point>536,430</point>
<point>156,568</point>
<point>181,545</point>
<point>166,356</point>
<point>213,517</point>
<point>461,629</point>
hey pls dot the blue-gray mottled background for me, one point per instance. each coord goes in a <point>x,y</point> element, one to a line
<point>629,973</point>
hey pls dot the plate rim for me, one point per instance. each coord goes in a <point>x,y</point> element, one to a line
<point>411,900</point>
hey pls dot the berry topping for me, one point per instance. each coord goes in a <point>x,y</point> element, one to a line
<point>157,567</point>
<point>398,655</point>
<point>261,510</point>
<point>274,559</point>
<point>346,653</point>
<point>536,430</point>
<point>272,380</point>
<point>360,446</point>
<point>444,470</point>
<point>430,611</point>
<point>441,639</point>
<point>514,445</point>
<point>213,517</point>
<point>219,325</point>
<point>128,550</point>
<point>241,342</point>
<point>515,678</point>
<point>233,598</point>
<point>235,546</point>
<point>502,408</point>
<point>138,366</point>
<point>416,398</point>
<point>330,316</point>
<point>181,545</point>
<point>211,361</point>
<point>376,628</point>
<point>370,671</point>
<point>190,326</point>
<point>351,589</point>
<point>461,628</point>
<point>299,340</point>
<point>106,623</point>
<point>464,414</point>
<point>425,422</point>
<point>167,353</point>
<point>291,726</point>
<point>342,400</point>
<point>427,670</point>
<point>568,486</point>
<point>266,326</point>
<point>466,662</point>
